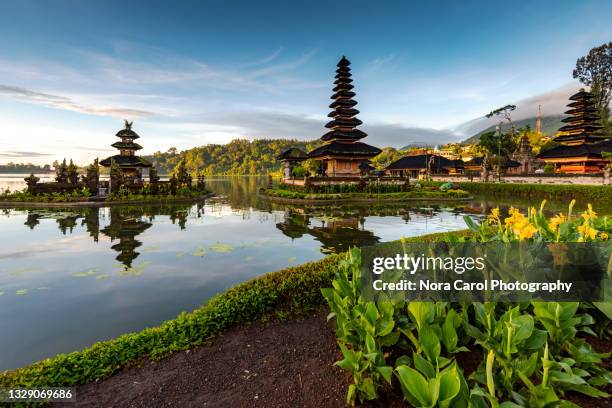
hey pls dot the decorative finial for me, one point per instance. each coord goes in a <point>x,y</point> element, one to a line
<point>128,125</point>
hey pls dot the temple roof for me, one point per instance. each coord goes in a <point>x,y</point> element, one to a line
<point>127,131</point>
<point>581,95</point>
<point>583,150</point>
<point>343,103</point>
<point>292,154</point>
<point>336,148</point>
<point>420,162</point>
<point>343,112</point>
<point>344,62</point>
<point>344,123</point>
<point>585,137</point>
<point>585,118</point>
<point>126,146</point>
<point>126,161</point>
<point>353,134</point>
<point>586,126</point>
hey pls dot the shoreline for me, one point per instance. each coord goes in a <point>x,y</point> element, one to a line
<point>94,204</point>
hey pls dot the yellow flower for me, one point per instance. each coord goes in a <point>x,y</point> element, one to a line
<point>589,213</point>
<point>527,231</point>
<point>586,231</point>
<point>493,218</point>
<point>555,221</point>
<point>603,236</point>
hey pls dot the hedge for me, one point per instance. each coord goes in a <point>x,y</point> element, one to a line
<point>541,191</point>
<point>290,291</point>
<point>300,195</point>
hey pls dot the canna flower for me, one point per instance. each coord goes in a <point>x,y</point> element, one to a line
<point>556,221</point>
<point>586,231</point>
<point>589,214</point>
<point>493,218</point>
<point>603,236</point>
<point>526,231</point>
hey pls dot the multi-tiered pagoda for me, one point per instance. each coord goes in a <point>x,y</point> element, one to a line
<point>581,144</point>
<point>343,154</point>
<point>130,164</point>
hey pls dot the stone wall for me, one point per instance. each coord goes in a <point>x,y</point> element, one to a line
<point>592,180</point>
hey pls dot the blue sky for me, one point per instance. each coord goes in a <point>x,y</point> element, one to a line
<point>192,73</point>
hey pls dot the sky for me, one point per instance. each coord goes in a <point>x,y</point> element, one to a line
<point>194,73</point>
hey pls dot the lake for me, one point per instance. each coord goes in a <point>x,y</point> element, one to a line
<point>69,278</point>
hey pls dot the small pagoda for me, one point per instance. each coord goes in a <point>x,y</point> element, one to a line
<point>581,144</point>
<point>342,154</point>
<point>131,165</point>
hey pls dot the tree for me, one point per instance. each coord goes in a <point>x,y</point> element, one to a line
<point>311,167</point>
<point>61,172</point>
<point>595,71</point>
<point>490,143</point>
<point>504,112</point>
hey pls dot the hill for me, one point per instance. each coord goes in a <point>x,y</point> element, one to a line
<point>550,125</point>
<point>238,157</point>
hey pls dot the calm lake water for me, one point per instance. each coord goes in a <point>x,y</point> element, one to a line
<point>69,278</point>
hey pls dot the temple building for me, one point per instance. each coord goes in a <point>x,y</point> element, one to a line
<point>421,164</point>
<point>525,157</point>
<point>131,165</point>
<point>342,154</point>
<point>289,159</point>
<point>581,144</point>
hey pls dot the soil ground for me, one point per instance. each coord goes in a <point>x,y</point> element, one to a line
<point>265,364</point>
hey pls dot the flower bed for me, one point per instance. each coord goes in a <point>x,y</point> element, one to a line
<point>531,355</point>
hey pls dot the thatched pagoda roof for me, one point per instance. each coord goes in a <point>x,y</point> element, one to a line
<point>336,148</point>
<point>584,150</point>
<point>292,154</point>
<point>126,161</point>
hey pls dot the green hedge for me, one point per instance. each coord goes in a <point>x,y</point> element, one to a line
<point>542,191</point>
<point>300,195</point>
<point>289,291</point>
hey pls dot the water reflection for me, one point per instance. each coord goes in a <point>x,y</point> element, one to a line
<point>134,267</point>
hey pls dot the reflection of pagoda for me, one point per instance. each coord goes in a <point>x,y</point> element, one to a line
<point>581,145</point>
<point>339,235</point>
<point>294,225</point>
<point>130,164</point>
<point>343,153</point>
<point>125,227</point>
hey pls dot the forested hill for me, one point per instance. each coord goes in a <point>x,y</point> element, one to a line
<point>240,156</point>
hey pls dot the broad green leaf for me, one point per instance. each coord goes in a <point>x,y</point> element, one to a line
<point>415,384</point>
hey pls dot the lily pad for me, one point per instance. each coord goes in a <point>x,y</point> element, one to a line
<point>201,251</point>
<point>221,247</point>
<point>102,276</point>
<point>84,274</point>
<point>21,292</point>
<point>248,258</point>
<point>292,260</point>
<point>135,270</point>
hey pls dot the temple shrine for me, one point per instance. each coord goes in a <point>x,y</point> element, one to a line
<point>581,144</point>
<point>130,164</point>
<point>343,155</point>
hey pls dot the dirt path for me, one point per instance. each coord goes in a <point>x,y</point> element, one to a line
<point>275,364</point>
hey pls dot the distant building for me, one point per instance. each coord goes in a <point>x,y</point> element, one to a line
<point>131,165</point>
<point>343,153</point>
<point>525,157</point>
<point>413,166</point>
<point>581,144</point>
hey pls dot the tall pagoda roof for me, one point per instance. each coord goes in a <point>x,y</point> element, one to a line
<point>336,148</point>
<point>127,131</point>
<point>581,95</point>
<point>583,124</point>
<point>344,123</point>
